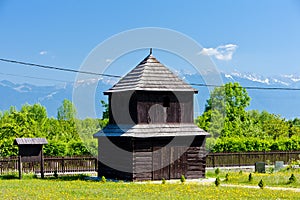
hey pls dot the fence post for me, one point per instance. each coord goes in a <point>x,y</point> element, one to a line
<point>20,166</point>
<point>213,160</point>
<point>239,159</point>
<point>42,164</point>
<point>63,164</point>
<point>96,164</point>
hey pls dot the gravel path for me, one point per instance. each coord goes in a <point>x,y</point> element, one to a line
<point>266,187</point>
<point>208,181</point>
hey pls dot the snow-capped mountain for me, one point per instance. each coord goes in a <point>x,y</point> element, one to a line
<point>18,94</point>
<point>283,102</point>
<point>280,80</point>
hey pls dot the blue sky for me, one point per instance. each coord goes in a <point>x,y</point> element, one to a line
<point>255,36</point>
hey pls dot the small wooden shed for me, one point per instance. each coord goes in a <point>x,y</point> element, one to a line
<point>151,133</point>
<point>30,150</point>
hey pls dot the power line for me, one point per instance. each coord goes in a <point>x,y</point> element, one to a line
<point>248,87</point>
<point>57,68</point>
<point>38,78</point>
<point>117,76</point>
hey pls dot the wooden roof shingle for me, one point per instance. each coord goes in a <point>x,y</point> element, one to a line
<point>29,141</point>
<point>150,75</point>
<point>151,130</point>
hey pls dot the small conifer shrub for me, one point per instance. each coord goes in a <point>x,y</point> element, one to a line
<point>292,179</point>
<point>227,177</point>
<point>250,178</point>
<point>55,174</point>
<point>103,179</point>
<point>261,184</point>
<point>182,179</point>
<point>163,181</point>
<point>217,181</point>
<point>217,171</point>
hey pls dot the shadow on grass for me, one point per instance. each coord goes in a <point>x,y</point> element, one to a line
<point>81,177</point>
<point>12,176</point>
<point>9,176</point>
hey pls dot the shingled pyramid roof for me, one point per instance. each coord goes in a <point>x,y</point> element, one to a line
<point>150,75</point>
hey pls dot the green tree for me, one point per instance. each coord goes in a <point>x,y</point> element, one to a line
<point>35,112</point>
<point>233,129</point>
<point>212,122</point>
<point>30,121</point>
<point>225,111</point>
<point>294,129</point>
<point>275,127</point>
<point>230,100</point>
<point>105,113</point>
<point>66,111</point>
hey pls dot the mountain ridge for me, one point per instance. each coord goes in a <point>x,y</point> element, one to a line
<point>280,102</point>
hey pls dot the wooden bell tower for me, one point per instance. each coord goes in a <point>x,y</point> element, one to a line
<point>151,132</point>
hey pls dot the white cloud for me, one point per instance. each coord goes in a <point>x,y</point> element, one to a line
<point>108,60</point>
<point>222,52</point>
<point>43,53</point>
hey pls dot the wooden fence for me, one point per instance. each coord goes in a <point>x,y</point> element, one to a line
<point>89,164</point>
<point>51,165</point>
<point>249,158</point>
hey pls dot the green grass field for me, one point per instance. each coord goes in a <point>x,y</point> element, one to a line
<point>276,179</point>
<point>31,188</point>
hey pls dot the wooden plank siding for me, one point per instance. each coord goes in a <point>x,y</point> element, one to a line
<point>178,162</point>
<point>153,159</point>
<point>179,110</point>
<point>111,163</point>
<point>195,162</point>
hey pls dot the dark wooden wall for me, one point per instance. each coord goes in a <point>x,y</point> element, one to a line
<point>30,153</point>
<point>142,159</point>
<point>150,107</point>
<point>122,108</point>
<point>152,158</point>
<point>115,163</point>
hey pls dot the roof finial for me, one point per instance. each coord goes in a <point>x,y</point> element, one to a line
<point>150,51</point>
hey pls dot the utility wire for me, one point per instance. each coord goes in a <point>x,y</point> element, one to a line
<point>117,76</point>
<point>38,78</point>
<point>247,87</point>
<point>57,68</point>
